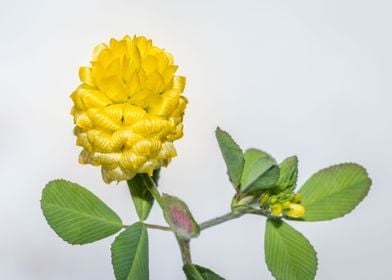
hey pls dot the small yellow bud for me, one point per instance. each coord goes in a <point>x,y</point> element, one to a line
<point>297,198</point>
<point>290,197</point>
<point>276,209</point>
<point>273,200</point>
<point>286,205</point>
<point>295,210</point>
<point>264,198</point>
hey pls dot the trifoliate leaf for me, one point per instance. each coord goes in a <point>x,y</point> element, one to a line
<point>288,254</point>
<point>197,272</point>
<point>179,217</point>
<point>260,171</point>
<point>232,154</point>
<point>288,174</point>
<point>141,196</point>
<point>334,192</point>
<point>130,253</point>
<point>76,214</point>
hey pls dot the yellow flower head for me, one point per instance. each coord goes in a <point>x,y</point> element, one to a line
<point>128,109</point>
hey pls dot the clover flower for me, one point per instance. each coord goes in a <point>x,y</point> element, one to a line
<point>286,203</point>
<point>128,109</point>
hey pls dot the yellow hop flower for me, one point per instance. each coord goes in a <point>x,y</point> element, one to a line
<point>128,109</point>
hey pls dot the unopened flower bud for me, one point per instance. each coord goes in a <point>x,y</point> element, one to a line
<point>290,197</point>
<point>276,209</point>
<point>264,198</point>
<point>273,200</point>
<point>246,200</point>
<point>286,205</point>
<point>179,217</point>
<point>297,198</point>
<point>295,210</point>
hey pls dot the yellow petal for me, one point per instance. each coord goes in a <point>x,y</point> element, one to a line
<point>295,210</point>
<point>97,50</point>
<point>86,75</point>
<point>276,209</point>
<point>179,83</point>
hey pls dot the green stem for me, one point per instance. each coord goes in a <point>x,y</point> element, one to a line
<point>231,216</point>
<point>183,244</point>
<point>152,226</point>
<point>158,227</point>
<point>185,250</point>
<point>261,212</point>
<point>221,219</point>
<point>155,193</point>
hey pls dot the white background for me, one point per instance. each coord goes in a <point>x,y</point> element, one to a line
<point>311,78</point>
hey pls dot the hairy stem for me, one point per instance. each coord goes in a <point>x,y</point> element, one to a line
<point>221,219</point>
<point>158,227</point>
<point>183,244</point>
<point>152,226</point>
<point>185,250</point>
<point>231,216</point>
<point>155,193</point>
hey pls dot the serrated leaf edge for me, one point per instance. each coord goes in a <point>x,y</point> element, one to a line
<point>359,202</point>
<point>72,210</point>
<point>307,241</point>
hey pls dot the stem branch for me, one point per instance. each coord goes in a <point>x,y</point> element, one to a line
<point>152,226</point>
<point>183,244</point>
<point>158,227</point>
<point>231,216</point>
<point>221,219</point>
<point>155,193</point>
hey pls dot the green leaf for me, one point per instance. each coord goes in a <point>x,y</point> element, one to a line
<point>130,253</point>
<point>197,272</point>
<point>288,254</point>
<point>179,217</point>
<point>288,174</point>
<point>334,192</point>
<point>260,171</point>
<point>232,154</point>
<point>156,175</point>
<point>141,196</point>
<point>76,214</point>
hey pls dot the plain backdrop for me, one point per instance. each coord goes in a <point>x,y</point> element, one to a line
<point>310,78</point>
